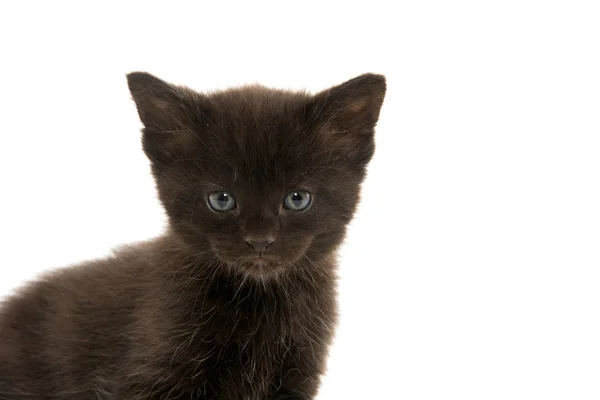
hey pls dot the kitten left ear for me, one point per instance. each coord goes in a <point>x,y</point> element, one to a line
<point>355,104</point>
<point>347,114</point>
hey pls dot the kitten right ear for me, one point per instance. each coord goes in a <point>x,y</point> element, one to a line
<point>169,114</point>
<point>158,102</point>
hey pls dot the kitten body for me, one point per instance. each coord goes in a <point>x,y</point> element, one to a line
<point>237,299</point>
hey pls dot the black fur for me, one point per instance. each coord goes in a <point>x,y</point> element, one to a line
<point>198,313</point>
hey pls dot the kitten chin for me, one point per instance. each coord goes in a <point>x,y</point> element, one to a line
<point>237,300</point>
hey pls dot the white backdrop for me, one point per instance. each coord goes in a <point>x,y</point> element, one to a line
<point>472,269</point>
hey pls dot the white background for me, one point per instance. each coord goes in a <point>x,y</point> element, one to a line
<point>472,269</point>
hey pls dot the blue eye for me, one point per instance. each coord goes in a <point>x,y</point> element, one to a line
<point>298,200</point>
<point>221,201</point>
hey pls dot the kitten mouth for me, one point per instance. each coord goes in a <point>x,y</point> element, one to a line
<point>260,263</point>
<point>261,260</point>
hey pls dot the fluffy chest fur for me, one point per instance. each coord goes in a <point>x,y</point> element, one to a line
<point>222,336</point>
<point>241,337</point>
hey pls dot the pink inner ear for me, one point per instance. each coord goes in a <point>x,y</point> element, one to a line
<point>357,106</point>
<point>161,105</point>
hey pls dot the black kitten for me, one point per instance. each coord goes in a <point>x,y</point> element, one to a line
<point>237,300</point>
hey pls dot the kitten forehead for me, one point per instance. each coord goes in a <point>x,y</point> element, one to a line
<point>259,133</point>
<point>255,104</point>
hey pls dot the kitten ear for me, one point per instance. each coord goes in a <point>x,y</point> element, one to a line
<point>170,115</point>
<point>350,111</point>
<point>355,104</point>
<point>158,102</point>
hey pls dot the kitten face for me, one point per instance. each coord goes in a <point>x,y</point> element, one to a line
<point>259,178</point>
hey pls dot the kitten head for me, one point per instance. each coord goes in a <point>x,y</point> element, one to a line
<point>258,178</point>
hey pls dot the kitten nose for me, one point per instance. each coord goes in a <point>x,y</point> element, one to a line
<point>259,243</point>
